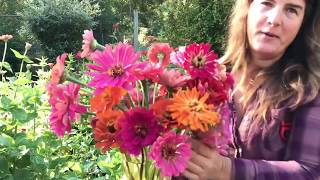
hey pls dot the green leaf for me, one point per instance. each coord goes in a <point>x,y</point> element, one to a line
<point>4,166</point>
<point>22,174</point>
<point>5,101</point>
<point>6,140</point>
<point>19,114</point>
<point>17,54</point>
<point>7,66</point>
<point>27,60</point>
<point>24,161</point>
<point>75,166</point>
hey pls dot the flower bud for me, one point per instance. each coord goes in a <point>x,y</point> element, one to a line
<point>28,46</point>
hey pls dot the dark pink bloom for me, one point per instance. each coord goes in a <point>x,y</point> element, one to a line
<point>171,153</point>
<point>65,107</point>
<point>78,55</point>
<point>138,128</point>
<point>200,60</point>
<point>115,67</point>
<point>87,43</point>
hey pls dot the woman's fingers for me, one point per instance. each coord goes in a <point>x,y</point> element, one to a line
<point>199,159</point>
<point>201,148</point>
<point>190,175</point>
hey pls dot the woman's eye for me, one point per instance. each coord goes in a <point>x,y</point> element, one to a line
<point>292,10</point>
<point>266,3</point>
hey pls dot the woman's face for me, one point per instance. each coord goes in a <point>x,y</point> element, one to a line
<point>272,25</point>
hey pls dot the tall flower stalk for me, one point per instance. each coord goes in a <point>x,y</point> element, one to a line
<point>4,38</point>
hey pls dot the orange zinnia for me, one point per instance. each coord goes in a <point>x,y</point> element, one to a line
<point>160,109</point>
<point>107,99</point>
<point>191,110</point>
<point>106,129</point>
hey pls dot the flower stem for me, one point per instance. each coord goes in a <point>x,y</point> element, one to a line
<point>91,113</point>
<point>155,88</point>
<point>21,65</point>
<point>127,159</point>
<point>75,80</point>
<point>146,93</point>
<point>142,164</point>
<point>142,90</point>
<point>130,100</point>
<point>3,57</point>
<point>137,90</point>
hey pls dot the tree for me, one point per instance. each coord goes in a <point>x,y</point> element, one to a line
<point>59,24</point>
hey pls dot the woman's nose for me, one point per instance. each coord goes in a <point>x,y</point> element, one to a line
<point>274,17</point>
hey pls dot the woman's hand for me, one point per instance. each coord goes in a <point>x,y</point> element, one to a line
<point>206,163</point>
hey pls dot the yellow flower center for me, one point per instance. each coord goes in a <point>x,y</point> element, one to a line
<point>198,61</point>
<point>116,71</point>
<point>195,106</point>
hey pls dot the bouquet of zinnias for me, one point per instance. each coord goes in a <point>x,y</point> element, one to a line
<point>148,104</point>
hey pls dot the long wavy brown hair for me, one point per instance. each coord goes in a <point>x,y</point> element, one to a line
<point>294,79</point>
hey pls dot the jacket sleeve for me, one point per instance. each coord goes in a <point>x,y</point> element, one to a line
<point>302,158</point>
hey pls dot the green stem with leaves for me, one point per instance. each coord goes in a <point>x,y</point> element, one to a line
<point>75,80</point>
<point>142,165</point>
<point>3,57</point>
<point>145,88</point>
<point>21,66</point>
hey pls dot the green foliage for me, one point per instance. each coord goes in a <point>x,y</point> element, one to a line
<point>29,150</point>
<point>59,24</point>
<point>198,21</point>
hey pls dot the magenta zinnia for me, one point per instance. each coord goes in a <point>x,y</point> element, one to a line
<point>65,107</point>
<point>115,67</point>
<point>171,153</point>
<point>200,61</point>
<point>138,128</point>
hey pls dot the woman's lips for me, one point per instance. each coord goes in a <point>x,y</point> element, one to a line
<point>269,34</point>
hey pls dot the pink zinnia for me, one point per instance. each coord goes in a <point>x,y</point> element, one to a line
<point>58,69</point>
<point>177,57</point>
<point>138,128</point>
<point>65,108</point>
<point>173,78</point>
<point>171,153</point>
<point>115,67</point>
<point>200,61</point>
<point>220,136</point>
<point>87,43</point>
<point>159,53</point>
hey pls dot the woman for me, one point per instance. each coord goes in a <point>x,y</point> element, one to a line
<point>275,56</point>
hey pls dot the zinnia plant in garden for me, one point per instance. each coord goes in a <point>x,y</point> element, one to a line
<point>147,106</point>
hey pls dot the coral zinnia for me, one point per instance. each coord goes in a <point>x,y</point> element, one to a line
<point>87,41</point>
<point>171,153</point>
<point>58,69</point>
<point>65,108</point>
<point>159,53</point>
<point>115,67</point>
<point>200,61</point>
<point>191,110</point>
<point>105,130</point>
<point>108,98</point>
<point>138,128</point>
